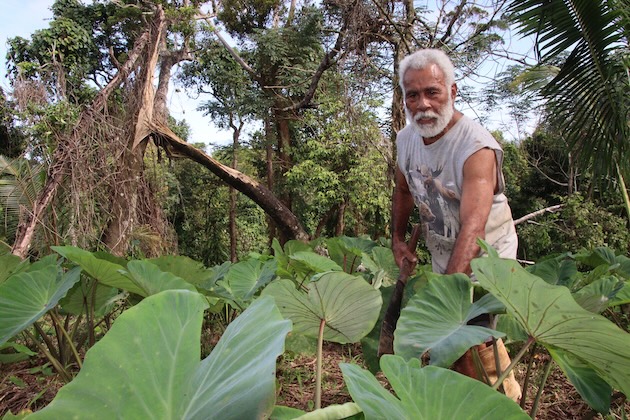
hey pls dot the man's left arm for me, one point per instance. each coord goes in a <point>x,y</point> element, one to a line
<point>478,188</point>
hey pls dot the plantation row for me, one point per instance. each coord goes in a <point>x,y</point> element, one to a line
<point>141,321</point>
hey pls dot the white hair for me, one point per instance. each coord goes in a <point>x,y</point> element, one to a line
<point>423,58</point>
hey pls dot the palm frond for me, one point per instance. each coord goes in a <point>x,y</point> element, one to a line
<point>589,97</point>
<point>20,184</point>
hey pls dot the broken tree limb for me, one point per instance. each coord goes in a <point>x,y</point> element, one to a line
<point>260,194</point>
<point>537,213</point>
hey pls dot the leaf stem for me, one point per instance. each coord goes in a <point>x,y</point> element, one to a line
<point>541,387</point>
<point>53,360</point>
<point>528,375</point>
<point>57,321</point>
<point>517,358</point>
<point>318,371</point>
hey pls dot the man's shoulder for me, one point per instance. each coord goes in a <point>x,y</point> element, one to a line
<point>473,132</point>
<point>406,133</point>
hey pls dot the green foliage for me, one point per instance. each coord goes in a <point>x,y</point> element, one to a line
<point>26,296</point>
<point>551,316</point>
<point>12,138</point>
<point>236,381</point>
<point>587,100</point>
<point>345,305</point>
<point>579,224</point>
<point>20,183</point>
<point>339,181</point>
<point>425,393</point>
<point>441,326</point>
<point>245,16</point>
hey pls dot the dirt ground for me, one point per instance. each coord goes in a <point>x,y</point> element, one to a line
<point>28,386</point>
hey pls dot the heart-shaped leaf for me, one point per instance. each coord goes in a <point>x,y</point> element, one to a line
<point>595,391</point>
<point>348,305</point>
<point>553,318</point>
<point>435,318</point>
<point>27,296</point>
<point>147,366</point>
<point>183,267</point>
<point>425,393</point>
<point>151,280</point>
<point>82,296</point>
<point>101,269</point>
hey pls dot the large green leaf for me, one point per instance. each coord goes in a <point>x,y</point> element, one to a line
<point>348,305</point>
<point>435,320</point>
<point>595,297</point>
<point>9,264</point>
<point>83,296</point>
<point>147,366</point>
<point>310,262</point>
<point>103,270</point>
<point>245,278</point>
<point>553,318</point>
<point>151,280</point>
<point>186,268</point>
<point>425,393</point>
<point>595,391</point>
<point>560,271</point>
<point>347,251</point>
<point>382,266</point>
<point>623,296</point>
<point>27,296</point>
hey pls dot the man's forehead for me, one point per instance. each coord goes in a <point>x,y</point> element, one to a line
<point>429,75</point>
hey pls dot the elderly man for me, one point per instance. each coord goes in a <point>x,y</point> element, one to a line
<point>449,166</point>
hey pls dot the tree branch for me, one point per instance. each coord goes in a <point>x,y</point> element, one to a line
<point>537,213</point>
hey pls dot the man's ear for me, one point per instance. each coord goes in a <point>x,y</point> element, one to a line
<point>453,91</point>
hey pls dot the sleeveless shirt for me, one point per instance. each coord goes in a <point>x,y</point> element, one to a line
<point>434,174</point>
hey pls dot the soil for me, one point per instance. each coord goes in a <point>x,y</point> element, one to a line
<point>27,386</point>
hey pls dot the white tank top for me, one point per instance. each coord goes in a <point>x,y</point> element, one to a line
<point>434,174</point>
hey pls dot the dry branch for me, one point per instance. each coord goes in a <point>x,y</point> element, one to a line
<point>537,213</point>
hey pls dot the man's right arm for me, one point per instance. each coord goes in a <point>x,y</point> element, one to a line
<point>402,206</point>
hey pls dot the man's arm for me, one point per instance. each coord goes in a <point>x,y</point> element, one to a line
<point>402,206</point>
<point>479,185</point>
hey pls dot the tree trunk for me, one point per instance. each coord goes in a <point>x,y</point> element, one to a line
<point>132,201</point>
<point>233,232</point>
<point>61,157</point>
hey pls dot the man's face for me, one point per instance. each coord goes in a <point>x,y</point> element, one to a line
<point>428,101</point>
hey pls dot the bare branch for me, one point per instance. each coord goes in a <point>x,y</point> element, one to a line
<point>233,53</point>
<point>537,213</point>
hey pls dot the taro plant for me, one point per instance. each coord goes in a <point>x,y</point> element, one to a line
<point>28,293</point>
<point>429,392</point>
<point>148,365</point>
<point>592,351</point>
<point>333,306</point>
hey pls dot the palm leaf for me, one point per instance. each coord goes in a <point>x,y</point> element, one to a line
<point>588,99</point>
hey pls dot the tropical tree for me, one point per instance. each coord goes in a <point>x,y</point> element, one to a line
<point>588,97</point>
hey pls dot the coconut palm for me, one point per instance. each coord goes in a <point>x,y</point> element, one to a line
<point>589,97</point>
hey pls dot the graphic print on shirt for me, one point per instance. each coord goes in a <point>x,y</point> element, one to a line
<point>438,205</point>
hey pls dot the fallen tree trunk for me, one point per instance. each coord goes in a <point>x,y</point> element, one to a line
<point>284,218</point>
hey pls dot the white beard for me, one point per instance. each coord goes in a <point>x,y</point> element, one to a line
<point>441,120</point>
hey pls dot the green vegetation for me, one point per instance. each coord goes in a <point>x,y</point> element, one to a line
<point>132,259</point>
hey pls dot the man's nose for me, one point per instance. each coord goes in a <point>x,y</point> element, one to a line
<point>422,103</point>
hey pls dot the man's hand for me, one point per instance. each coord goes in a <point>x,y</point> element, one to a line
<point>403,255</point>
<point>402,207</point>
